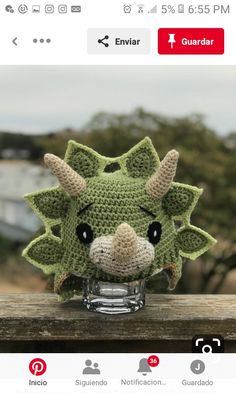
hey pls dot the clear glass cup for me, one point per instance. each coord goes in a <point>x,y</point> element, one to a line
<point>113,298</point>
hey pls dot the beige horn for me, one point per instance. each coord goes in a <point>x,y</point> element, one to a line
<point>159,183</point>
<point>124,244</point>
<point>70,180</point>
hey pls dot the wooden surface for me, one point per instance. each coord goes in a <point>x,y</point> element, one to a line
<point>40,317</point>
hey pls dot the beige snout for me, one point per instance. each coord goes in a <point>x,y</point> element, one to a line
<point>122,254</point>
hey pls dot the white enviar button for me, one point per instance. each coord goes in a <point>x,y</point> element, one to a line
<point>118,41</point>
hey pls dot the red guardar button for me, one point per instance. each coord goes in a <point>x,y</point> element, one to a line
<point>191,41</point>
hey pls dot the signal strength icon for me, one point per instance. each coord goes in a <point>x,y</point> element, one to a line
<point>153,10</point>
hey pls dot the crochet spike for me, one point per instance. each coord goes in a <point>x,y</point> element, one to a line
<point>70,180</point>
<point>159,184</point>
<point>124,243</point>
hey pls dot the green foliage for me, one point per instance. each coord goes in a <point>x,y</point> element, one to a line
<point>19,142</point>
<point>7,247</point>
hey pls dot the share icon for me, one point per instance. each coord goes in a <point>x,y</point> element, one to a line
<point>101,41</point>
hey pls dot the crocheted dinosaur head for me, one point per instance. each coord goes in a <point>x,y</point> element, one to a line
<point>115,226</point>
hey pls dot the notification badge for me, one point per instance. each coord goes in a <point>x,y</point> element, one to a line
<point>37,366</point>
<point>153,361</point>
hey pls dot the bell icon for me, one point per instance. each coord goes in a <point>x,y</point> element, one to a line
<point>144,367</point>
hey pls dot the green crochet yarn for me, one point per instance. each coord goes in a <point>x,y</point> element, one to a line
<point>120,226</point>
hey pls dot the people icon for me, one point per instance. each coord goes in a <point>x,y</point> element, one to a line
<point>96,369</point>
<point>89,369</point>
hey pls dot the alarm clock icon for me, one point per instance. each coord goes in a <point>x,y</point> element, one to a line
<point>127,8</point>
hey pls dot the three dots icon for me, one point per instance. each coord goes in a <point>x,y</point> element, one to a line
<point>41,41</point>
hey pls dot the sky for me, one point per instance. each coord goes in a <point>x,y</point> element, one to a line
<point>39,99</point>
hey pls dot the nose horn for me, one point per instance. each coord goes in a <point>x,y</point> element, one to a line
<point>124,243</point>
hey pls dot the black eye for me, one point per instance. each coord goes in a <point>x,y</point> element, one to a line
<point>154,232</point>
<point>84,233</point>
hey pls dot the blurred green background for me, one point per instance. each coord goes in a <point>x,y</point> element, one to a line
<point>207,159</point>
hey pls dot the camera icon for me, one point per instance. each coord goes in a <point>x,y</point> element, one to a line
<point>208,344</point>
<point>127,8</point>
<point>49,8</point>
<point>22,9</point>
<point>62,9</point>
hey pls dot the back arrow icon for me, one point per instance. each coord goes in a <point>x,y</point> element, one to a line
<point>14,41</point>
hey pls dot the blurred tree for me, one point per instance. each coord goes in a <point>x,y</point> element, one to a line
<point>20,142</point>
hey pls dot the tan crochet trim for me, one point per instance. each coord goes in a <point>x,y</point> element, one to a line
<point>70,180</point>
<point>101,254</point>
<point>124,243</point>
<point>174,272</point>
<point>158,185</point>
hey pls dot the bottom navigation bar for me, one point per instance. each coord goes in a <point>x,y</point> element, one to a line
<point>97,372</point>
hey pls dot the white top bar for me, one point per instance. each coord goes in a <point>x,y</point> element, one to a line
<point>67,32</point>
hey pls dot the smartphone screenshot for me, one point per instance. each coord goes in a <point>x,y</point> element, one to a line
<point>117,196</point>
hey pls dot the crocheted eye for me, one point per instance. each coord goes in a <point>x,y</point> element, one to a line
<point>84,233</point>
<point>154,232</point>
